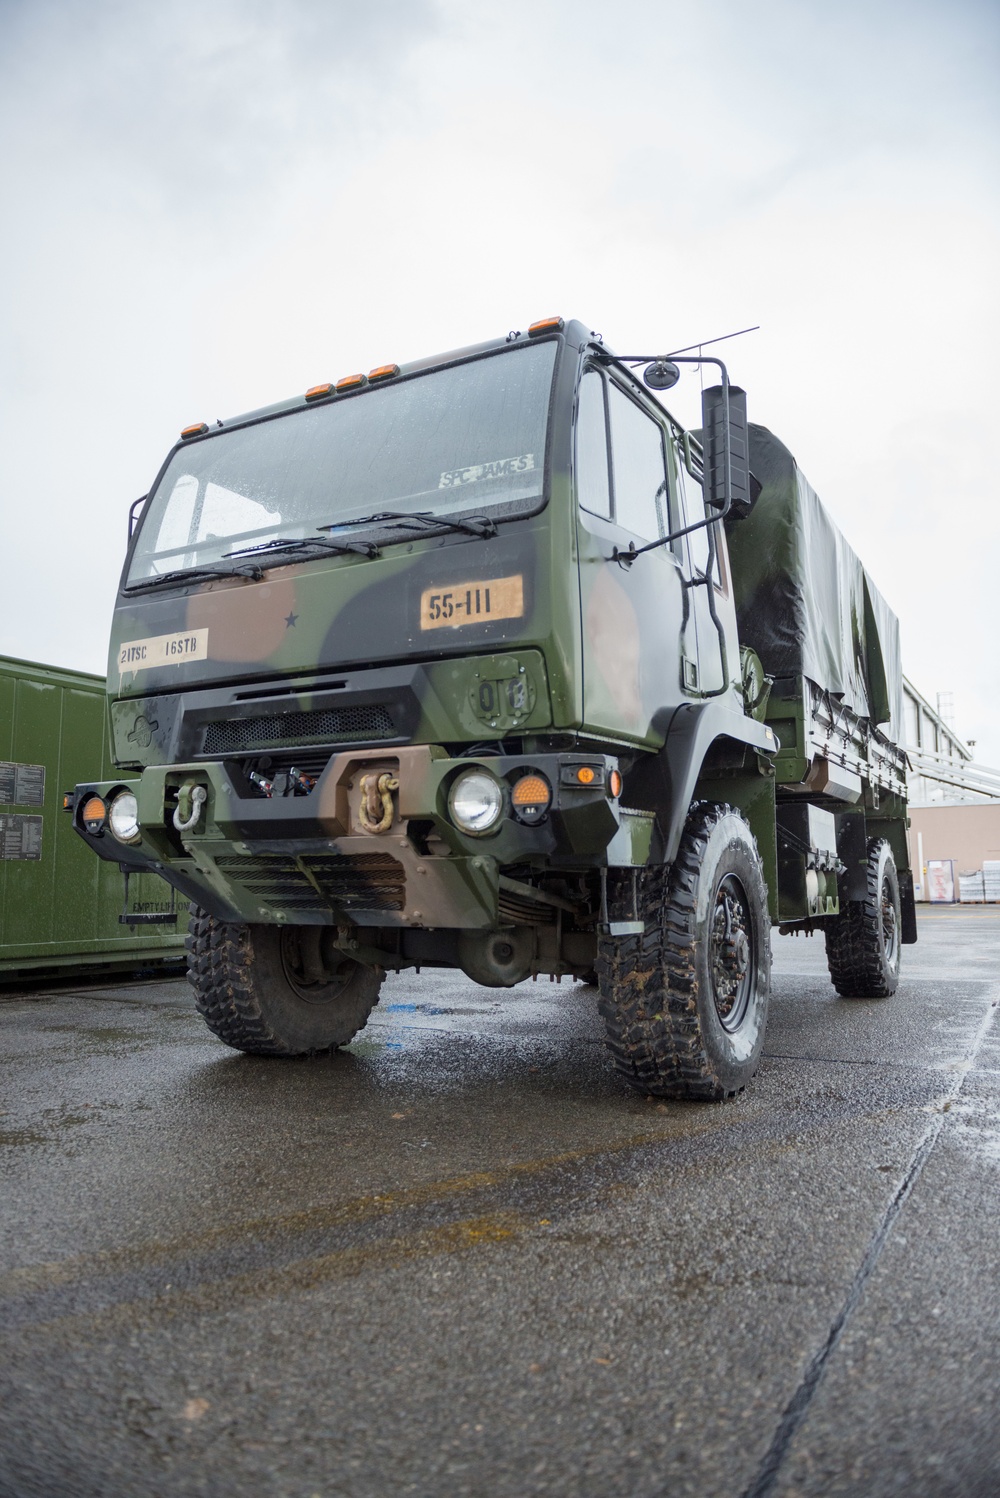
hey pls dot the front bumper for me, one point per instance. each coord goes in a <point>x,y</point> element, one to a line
<point>308,860</point>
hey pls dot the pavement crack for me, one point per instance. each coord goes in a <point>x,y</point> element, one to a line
<point>797,1407</point>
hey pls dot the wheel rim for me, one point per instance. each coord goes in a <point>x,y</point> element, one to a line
<point>306,974</point>
<point>733,955</point>
<point>890,923</point>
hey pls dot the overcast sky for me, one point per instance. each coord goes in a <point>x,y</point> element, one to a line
<point>211,206</point>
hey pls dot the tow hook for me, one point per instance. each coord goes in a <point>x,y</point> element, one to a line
<point>375,812</point>
<point>190,799</point>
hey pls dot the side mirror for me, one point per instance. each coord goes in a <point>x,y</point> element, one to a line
<point>661,375</point>
<point>744,488</point>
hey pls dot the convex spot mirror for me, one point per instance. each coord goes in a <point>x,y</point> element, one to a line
<point>661,375</point>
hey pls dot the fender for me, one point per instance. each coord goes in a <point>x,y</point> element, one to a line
<point>665,782</point>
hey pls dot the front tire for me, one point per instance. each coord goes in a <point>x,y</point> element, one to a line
<point>863,948</point>
<point>685,1004</point>
<point>262,990</point>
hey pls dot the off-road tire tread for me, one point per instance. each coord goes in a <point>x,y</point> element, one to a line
<point>648,982</point>
<point>219,956</point>
<point>219,973</point>
<point>853,948</point>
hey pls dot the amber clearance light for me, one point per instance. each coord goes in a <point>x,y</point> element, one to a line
<point>316,392</point>
<point>546,325</point>
<point>93,815</point>
<point>530,798</point>
<point>383,372</point>
<point>351,382</point>
<point>196,429</point>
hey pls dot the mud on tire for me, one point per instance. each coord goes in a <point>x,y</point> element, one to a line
<point>863,941</point>
<point>258,990</point>
<point>685,1003</point>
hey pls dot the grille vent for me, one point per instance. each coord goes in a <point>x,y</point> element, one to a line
<point>371,881</point>
<point>341,725</point>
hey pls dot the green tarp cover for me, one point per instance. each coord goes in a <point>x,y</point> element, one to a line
<point>804,602</point>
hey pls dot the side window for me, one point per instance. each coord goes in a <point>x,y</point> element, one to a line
<point>693,505</point>
<point>592,486</point>
<point>641,502</point>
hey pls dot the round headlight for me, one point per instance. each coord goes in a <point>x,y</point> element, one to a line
<point>123,818</point>
<point>475,801</point>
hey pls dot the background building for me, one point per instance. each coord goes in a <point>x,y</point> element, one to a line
<point>954,804</point>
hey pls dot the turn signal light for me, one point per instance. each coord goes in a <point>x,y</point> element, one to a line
<point>615,783</point>
<point>349,382</point>
<point>93,815</point>
<point>530,798</point>
<point>195,430</point>
<point>546,325</point>
<point>316,392</point>
<point>585,775</point>
<point>383,372</point>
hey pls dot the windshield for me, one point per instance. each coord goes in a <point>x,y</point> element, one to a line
<point>465,440</point>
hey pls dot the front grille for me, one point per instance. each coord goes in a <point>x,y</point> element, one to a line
<point>369,882</point>
<point>342,725</point>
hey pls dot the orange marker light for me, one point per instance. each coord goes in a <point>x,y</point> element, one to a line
<point>546,325</point>
<point>315,392</point>
<point>615,783</point>
<point>585,775</point>
<point>350,381</point>
<point>531,790</point>
<point>530,799</point>
<point>383,372</point>
<point>195,430</point>
<point>94,814</point>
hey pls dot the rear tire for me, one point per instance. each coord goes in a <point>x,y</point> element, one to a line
<point>685,1004</point>
<point>863,948</point>
<point>256,989</point>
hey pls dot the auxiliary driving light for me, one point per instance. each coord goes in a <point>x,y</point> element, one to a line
<point>123,818</point>
<point>93,815</point>
<point>475,802</point>
<point>530,798</point>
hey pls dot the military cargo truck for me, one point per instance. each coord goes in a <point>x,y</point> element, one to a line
<point>483,661</point>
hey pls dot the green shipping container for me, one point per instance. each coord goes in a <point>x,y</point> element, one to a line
<point>60,907</point>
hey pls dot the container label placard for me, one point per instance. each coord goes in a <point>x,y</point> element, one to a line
<point>20,838</point>
<point>21,785</point>
<point>477,602</point>
<point>162,650</point>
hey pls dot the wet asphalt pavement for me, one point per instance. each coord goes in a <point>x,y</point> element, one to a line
<point>461,1258</point>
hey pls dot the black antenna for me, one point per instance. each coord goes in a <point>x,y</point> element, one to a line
<point>706,341</point>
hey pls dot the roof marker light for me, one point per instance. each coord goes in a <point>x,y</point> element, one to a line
<point>316,392</point>
<point>196,429</point>
<point>350,382</point>
<point>546,325</point>
<point>383,372</point>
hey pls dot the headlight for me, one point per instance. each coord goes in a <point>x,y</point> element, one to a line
<point>123,818</point>
<point>475,801</point>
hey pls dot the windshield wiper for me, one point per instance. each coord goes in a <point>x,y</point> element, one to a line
<point>195,574</point>
<point>473,525</point>
<point>310,543</point>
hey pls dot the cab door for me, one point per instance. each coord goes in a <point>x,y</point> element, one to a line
<point>639,636</point>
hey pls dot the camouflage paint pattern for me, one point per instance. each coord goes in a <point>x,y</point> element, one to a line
<point>608,666</point>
